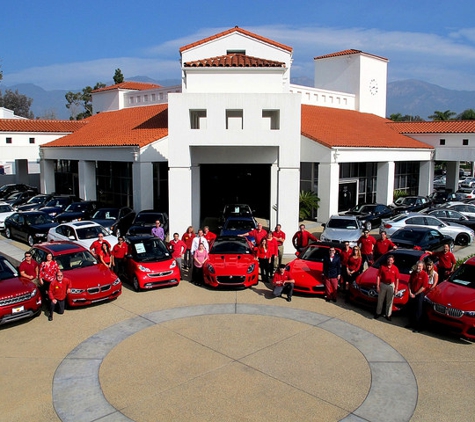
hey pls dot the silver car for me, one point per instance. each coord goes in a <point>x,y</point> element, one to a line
<point>462,235</point>
<point>342,228</point>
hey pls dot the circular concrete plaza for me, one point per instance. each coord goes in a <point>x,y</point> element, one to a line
<point>231,362</point>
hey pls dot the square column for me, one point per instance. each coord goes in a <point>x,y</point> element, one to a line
<point>452,176</point>
<point>180,199</point>
<point>328,190</point>
<point>426,172</point>
<point>385,183</point>
<point>47,182</point>
<point>142,181</point>
<point>288,205</point>
<point>87,180</point>
<point>274,182</point>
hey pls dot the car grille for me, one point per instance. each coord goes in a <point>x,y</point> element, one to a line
<point>162,274</point>
<point>454,313</point>
<point>95,290</point>
<point>369,292</point>
<point>17,299</point>
<point>231,279</point>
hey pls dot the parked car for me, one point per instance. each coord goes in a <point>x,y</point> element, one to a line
<point>235,210</point>
<point>77,211</point>
<point>452,303</point>
<point>410,204</point>
<point>108,217</point>
<point>58,203</point>
<point>238,225</point>
<point>370,215</point>
<point>342,228</point>
<point>451,216</point>
<point>465,193</point>
<point>144,222</point>
<point>19,298</point>
<point>363,290</point>
<point>306,270</point>
<point>123,224</point>
<point>5,211</point>
<point>462,235</point>
<point>19,198</point>
<point>91,282</point>
<point>439,182</point>
<point>231,263</point>
<point>29,226</point>
<point>81,232</point>
<point>468,182</point>
<point>461,207</point>
<point>421,238</point>
<point>7,190</point>
<point>35,203</point>
<point>443,196</point>
<point>149,264</point>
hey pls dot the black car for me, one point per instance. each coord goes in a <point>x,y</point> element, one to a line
<point>19,198</point>
<point>370,215</point>
<point>452,216</point>
<point>410,204</point>
<point>82,210</point>
<point>57,204</point>
<point>7,190</point>
<point>28,226</point>
<point>35,203</point>
<point>113,219</point>
<point>422,238</point>
<point>144,222</point>
<point>443,196</point>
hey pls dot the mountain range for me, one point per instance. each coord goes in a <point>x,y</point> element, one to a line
<point>407,97</point>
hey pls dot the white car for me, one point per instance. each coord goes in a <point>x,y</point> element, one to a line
<point>5,211</point>
<point>462,235</point>
<point>466,193</point>
<point>82,232</point>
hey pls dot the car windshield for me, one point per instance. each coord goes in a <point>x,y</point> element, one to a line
<point>405,201</point>
<point>315,254</point>
<point>405,263</point>
<point>75,260</point>
<point>75,207</point>
<point>7,270</point>
<point>230,247</point>
<point>5,208</point>
<point>56,202</point>
<point>34,219</point>
<point>36,200</point>
<point>236,209</point>
<point>15,195</point>
<point>149,250</point>
<point>464,276</point>
<point>239,225</point>
<point>340,223</point>
<point>148,218</point>
<point>90,232</point>
<point>109,214</point>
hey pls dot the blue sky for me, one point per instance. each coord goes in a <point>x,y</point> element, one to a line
<point>59,44</point>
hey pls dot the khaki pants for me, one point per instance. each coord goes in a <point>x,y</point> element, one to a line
<point>386,291</point>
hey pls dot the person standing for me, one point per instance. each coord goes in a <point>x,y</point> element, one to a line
<point>59,288</point>
<point>366,243</point>
<point>258,234</point>
<point>331,274</point>
<point>47,273</point>
<point>96,246</point>
<point>273,251</point>
<point>418,283</point>
<point>302,238</point>
<point>198,240</point>
<point>387,283</point>
<point>188,237</point>
<point>119,251</point>
<point>199,259</point>
<point>158,231</point>
<point>105,255</point>
<point>345,254</point>
<point>279,235</point>
<point>283,283</point>
<point>447,261</point>
<point>178,251</point>
<point>383,245</point>
<point>263,256</point>
<point>209,236</point>
<point>433,276</point>
<point>29,268</point>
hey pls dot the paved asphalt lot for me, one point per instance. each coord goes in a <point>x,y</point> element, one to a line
<point>191,353</point>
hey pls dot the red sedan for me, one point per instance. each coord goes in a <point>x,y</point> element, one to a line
<point>306,270</point>
<point>452,302</point>
<point>363,290</point>
<point>91,282</point>
<point>19,298</point>
<point>231,263</point>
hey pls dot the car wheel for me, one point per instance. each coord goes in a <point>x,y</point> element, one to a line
<point>135,283</point>
<point>462,239</point>
<point>8,233</point>
<point>368,225</point>
<point>30,240</point>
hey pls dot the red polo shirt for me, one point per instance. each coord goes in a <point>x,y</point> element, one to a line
<point>388,275</point>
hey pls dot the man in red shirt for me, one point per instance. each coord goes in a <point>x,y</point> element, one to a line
<point>96,246</point>
<point>283,283</point>
<point>29,268</point>
<point>367,243</point>
<point>58,290</point>
<point>302,238</point>
<point>273,251</point>
<point>446,264</point>
<point>209,236</point>
<point>118,253</point>
<point>383,245</point>
<point>387,284</point>
<point>178,250</point>
<point>418,283</point>
<point>279,235</point>
<point>258,234</point>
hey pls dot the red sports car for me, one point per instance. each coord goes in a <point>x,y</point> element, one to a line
<point>452,302</point>
<point>231,263</point>
<point>91,282</point>
<point>149,264</point>
<point>363,290</point>
<point>19,298</point>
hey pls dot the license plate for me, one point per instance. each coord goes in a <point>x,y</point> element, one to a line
<point>18,309</point>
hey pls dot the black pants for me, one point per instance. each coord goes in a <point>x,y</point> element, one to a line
<point>58,307</point>
<point>197,275</point>
<point>265,266</point>
<point>119,266</point>
<point>416,310</point>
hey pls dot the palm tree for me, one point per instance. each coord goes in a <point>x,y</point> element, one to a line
<point>443,115</point>
<point>468,114</point>
<point>308,202</point>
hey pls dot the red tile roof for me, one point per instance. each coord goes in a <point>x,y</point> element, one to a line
<point>234,60</point>
<point>241,31</point>
<point>347,53</point>
<point>47,126</point>
<point>137,126</point>
<point>443,126</point>
<point>136,86</point>
<point>333,127</point>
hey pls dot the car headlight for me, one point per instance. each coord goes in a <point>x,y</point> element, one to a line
<point>40,234</point>
<point>210,269</point>
<point>173,264</point>
<point>116,282</point>
<point>470,313</point>
<point>144,269</point>
<point>400,293</point>
<point>323,237</point>
<point>251,267</point>
<point>77,291</point>
<point>33,293</point>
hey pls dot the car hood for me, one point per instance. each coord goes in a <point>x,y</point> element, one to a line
<point>107,223</point>
<point>155,266</point>
<point>92,276</point>
<point>15,286</point>
<point>43,228</point>
<point>453,296</point>
<point>50,210</point>
<point>359,215</point>
<point>341,234</point>
<point>306,273</point>
<point>231,263</point>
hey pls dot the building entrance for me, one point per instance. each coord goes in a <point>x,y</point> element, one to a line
<point>235,183</point>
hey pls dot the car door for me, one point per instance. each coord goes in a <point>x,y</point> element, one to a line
<point>20,228</point>
<point>415,221</point>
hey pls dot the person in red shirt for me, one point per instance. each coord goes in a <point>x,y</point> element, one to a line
<point>188,237</point>
<point>446,264</point>
<point>279,235</point>
<point>178,248</point>
<point>58,290</point>
<point>264,258</point>
<point>105,255</point>
<point>96,246</point>
<point>29,268</point>
<point>283,283</point>
<point>209,236</point>
<point>387,283</point>
<point>119,251</point>
<point>345,254</point>
<point>418,284</point>
<point>367,243</point>
<point>383,245</point>
<point>302,238</point>
<point>258,234</point>
<point>273,250</point>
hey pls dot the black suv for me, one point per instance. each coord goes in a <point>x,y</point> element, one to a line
<point>144,222</point>
<point>83,210</point>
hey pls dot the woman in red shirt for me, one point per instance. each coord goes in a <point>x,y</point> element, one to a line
<point>264,257</point>
<point>188,237</point>
<point>47,274</point>
<point>353,266</point>
<point>105,255</point>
